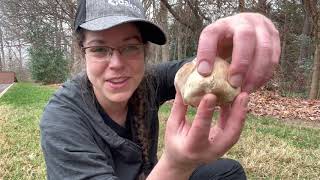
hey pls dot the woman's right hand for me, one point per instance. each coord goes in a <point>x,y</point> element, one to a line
<point>189,145</point>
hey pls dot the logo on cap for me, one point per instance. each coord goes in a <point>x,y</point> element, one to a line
<point>125,3</point>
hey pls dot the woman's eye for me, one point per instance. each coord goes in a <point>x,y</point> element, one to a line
<point>98,49</point>
<point>131,48</point>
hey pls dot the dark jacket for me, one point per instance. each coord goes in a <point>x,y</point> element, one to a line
<point>78,144</point>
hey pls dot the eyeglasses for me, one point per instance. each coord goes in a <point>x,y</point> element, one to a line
<point>104,53</point>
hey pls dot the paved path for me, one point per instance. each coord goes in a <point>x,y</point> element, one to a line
<point>3,87</point>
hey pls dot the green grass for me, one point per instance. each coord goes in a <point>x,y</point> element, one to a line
<point>272,149</point>
<point>268,148</point>
<point>296,136</point>
<point>20,153</point>
<point>24,95</point>
<point>279,150</point>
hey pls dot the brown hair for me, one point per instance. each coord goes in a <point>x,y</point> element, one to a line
<point>143,97</point>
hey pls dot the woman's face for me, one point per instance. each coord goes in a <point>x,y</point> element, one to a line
<point>114,74</point>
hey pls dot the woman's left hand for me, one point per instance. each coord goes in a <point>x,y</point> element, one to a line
<point>189,145</point>
<point>251,39</point>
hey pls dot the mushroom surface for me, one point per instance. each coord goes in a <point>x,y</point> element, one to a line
<point>194,86</point>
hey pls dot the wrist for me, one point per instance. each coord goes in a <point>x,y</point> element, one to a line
<point>166,169</point>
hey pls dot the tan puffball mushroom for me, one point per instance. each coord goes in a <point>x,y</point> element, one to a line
<point>194,86</point>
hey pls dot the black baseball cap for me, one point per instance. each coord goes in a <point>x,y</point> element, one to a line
<point>97,15</point>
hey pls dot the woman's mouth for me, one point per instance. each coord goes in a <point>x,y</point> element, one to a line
<point>117,83</point>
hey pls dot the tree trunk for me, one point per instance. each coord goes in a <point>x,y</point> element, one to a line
<point>284,43</point>
<point>185,42</point>
<point>305,40</point>
<point>57,30</point>
<point>2,57</point>
<point>76,62</point>
<point>1,66</point>
<point>154,55</point>
<point>262,7</point>
<point>180,42</point>
<point>10,56</point>
<point>20,60</point>
<point>241,7</point>
<point>164,22</point>
<point>314,89</point>
<point>311,8</point>
<point>75,53</point>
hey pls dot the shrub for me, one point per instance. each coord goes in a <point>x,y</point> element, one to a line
<point>47,64</point>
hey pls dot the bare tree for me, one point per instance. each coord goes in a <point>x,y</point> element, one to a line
<point>25,18</point>
<point>312,8</point>
<point>183,21</point>
<point>305,38</point>
<point>2,60</point>
<point>163,14</point>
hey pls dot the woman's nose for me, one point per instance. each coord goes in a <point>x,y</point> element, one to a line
<point>116,60</point>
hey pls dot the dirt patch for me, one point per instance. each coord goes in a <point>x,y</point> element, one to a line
<point>56,86</point>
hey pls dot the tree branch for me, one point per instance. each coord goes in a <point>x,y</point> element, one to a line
<point>196,11</point>
<point>176,16</point>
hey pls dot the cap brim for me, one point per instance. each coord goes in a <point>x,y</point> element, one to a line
<point>150,31</point>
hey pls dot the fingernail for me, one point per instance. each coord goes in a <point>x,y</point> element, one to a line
<point>236,80</point>
<point>204,68</point>
<point>210,101</point>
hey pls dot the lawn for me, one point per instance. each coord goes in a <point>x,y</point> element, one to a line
<point>268,148</point>
<point>20,110</point>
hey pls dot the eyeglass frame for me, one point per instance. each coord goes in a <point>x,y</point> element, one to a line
<point>118,49</point>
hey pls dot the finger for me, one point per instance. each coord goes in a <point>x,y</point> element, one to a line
<point>275,41</point>
<point>237,115</point>
<point>178,112</point>
<point>207,48</point>
<point>244,43</point>
<point>234,123</point>
<point>224,114</point>
<point>201,125</point>
<point>261,69</point>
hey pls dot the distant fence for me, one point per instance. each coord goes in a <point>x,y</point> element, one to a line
<point>7,77</point>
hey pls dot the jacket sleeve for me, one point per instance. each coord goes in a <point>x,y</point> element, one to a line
<point>165,74</point>
<point>70,150</point>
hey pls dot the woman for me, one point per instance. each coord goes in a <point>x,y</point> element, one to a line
<point>103,124</point>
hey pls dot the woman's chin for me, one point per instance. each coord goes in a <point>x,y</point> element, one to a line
<point>120,97</point>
